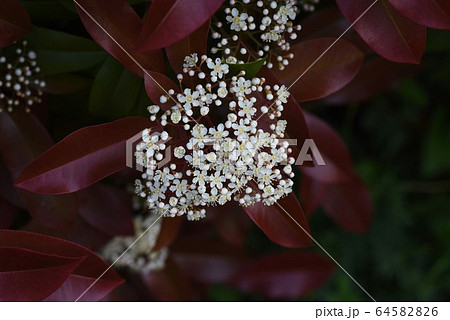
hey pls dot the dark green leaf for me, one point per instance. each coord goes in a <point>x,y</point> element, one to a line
<point>251,69</point>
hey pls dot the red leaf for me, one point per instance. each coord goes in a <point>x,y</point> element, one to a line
<point>231,223</point>
<point>158,85</point>
<point>377,75</point>
<point>14,22</point>
<point>121,23</point>
<point>206,260</point>
<point>106,209</point>
<point>429,13</point>
<point>169,232</point>
<point>81,233</point>
<point>22,137</point>
<point>83,158</point>
<point>349,204</point>
<point>284,275</point>
<point>329,74</point>
<point>193,43</point>
<point>329,22</point>
<point>169,284</point>
<point>311,194</point>
<point>385,30</point>
<point>170,21</point>
<point>279,222</point>
<point>338,165</point>
<point>81,277</point>
<point>7,214</point>
<point>27,275</point>
<point>7,190</point>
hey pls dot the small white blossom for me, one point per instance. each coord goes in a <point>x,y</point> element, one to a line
<point>218,69</point>
<point>237,20</point>
<point>190,61</point>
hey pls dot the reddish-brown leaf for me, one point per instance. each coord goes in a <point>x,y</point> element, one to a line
<point>27,275</point>
<point>338,165</point>
<point>329,74</point>
<point>231,223</point>
<point>429,13</point>
<point>7,189</point>
<point>169,232</point>
<point>14,22</point>
<point>349,204</point>
<point>207,260</point>
<point>377,75</point>
<point>284,275</point>
<point>386,31</point>
<point>280,222</point>
<point>311,194</point>
<point>22,137</point>
<point>121,23</point>
<point>106,209</point>
<point>83,158</point>
<point>169,21</point>
<point>81,233</point>
<point>169,284</point>
<point>83,275</point>
<point>7,214</point>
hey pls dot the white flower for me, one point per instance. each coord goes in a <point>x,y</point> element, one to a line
<point>218,69</point>
<point>231,60</point>
<point>190,61</point>
<point>241,130</point>
<point>199,177</point>
<point>175,116</point>
<point>154,109</point>
<point>285,13</point>
<point>283,94</point>
<point>247,110</point>
<point>179,187</point>
<point>216,180</point>
<point>139,257</point>
<point>218,133</point>
<point>271,36</point>
<point>179,152</point>
<point>222,92</point>
<point>281,127</point>
<point>242,87</point>
<point>237,20</point>
<point>189,99</point>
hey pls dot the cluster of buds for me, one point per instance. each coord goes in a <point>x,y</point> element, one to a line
<point>257,29</point>
<point>242,158</point>
<point>19,84</point>
<point>138,255</point>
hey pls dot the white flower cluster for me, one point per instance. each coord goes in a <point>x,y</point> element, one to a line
<point>259,28</point>
<point>242,158</point>
<point>19,85</point>
<point>140,256</point>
